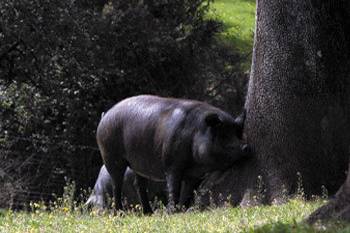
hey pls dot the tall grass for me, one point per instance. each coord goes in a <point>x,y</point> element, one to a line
<point>62,218</point>
<point>65,215</point>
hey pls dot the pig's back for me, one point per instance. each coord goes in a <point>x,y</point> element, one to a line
<point>140,126</point>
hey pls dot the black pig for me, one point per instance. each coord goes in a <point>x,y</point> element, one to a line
<point>103,190</point>
<point>169,139</point>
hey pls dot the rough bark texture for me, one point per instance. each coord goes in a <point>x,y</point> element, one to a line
<point>298,102</point>
<point>298,96</point>
<point>339,207</point>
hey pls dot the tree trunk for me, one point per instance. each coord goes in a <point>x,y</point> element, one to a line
<point>298,97</point>
<point>298,103</point>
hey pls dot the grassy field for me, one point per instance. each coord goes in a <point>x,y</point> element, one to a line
<point>284,218</point>
<point>238,17</point>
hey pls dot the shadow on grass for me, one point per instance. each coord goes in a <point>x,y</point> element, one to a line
<point>301,228</point>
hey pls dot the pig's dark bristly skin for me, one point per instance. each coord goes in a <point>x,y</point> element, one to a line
<point>103,189</point>
<point>163,139</point>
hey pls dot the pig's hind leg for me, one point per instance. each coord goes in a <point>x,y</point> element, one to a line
<point>116,169</point>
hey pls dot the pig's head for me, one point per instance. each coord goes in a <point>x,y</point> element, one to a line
<point>218,140</point>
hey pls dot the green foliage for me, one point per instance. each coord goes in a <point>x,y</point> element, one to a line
<point>283,218</point>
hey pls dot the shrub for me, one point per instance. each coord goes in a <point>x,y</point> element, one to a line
<point>63,63</point>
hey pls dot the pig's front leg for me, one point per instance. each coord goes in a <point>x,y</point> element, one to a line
<point>173,180</point>
<point>187,192</point>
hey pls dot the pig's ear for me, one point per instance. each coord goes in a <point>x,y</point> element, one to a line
<point>213,120</point>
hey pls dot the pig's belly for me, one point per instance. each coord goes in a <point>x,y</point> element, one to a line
<point>146,166</point>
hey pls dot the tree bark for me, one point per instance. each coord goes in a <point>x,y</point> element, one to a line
<point>298,96</point>
<point>298,103</point>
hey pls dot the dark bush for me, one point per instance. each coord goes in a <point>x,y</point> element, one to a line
<point>63,63</point>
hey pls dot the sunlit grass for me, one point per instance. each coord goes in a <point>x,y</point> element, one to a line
<point>238,17</point>
<point>282,218</point>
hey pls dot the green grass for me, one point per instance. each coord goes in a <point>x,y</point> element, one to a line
<point>238,17</point>
<point>283,218</point>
